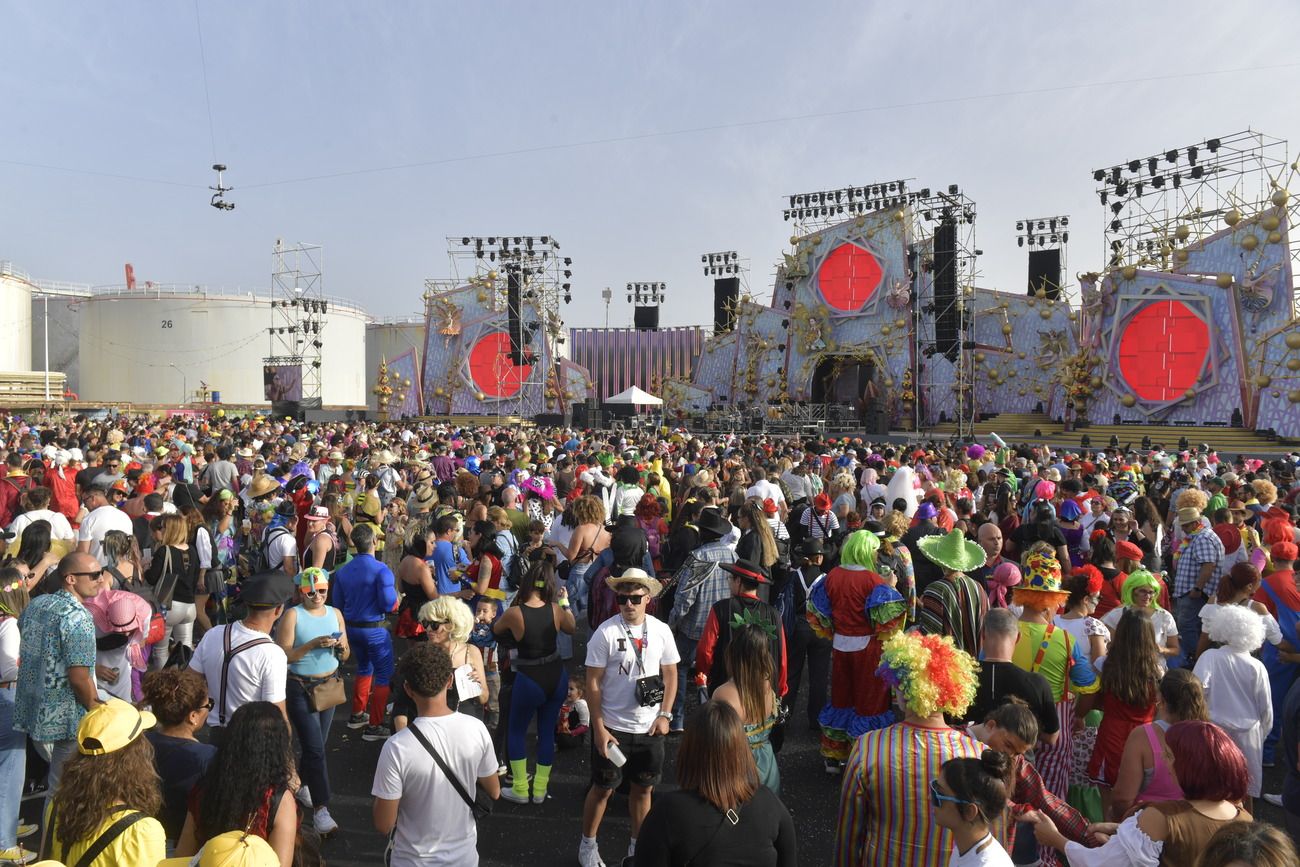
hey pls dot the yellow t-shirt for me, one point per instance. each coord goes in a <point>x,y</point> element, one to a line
<point>143,843</point>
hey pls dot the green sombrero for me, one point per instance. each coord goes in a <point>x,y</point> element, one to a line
<point>954,552</point>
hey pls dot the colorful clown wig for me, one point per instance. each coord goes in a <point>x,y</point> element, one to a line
<point>860,550</point>
<point>928,673</point>
<point>1192,498</point>
<point>1136,581</point>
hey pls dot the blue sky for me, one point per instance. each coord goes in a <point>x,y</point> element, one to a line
<point>307,89</point>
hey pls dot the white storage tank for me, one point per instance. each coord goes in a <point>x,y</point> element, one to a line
<point>15,319</point>
<point>157,345</point>
<point>391,339</point>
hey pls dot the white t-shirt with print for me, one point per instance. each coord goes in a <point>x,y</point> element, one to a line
<point>434,824</point>
<point>611,648</point>
<point>99,522</point>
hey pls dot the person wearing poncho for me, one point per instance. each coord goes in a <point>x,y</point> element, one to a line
<point>885,815</point>
<point>955,604</point>
<point>839,608</point>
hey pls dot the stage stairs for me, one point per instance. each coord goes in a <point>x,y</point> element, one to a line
<point>1012,427</point>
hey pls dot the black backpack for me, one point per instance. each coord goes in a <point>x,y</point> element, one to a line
<point>262,560</point>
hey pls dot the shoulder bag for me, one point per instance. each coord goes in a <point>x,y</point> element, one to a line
<point>481,804</point>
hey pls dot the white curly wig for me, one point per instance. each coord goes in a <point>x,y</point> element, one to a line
<point>1237,627</point>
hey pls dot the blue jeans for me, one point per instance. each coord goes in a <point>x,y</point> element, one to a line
<point>576,584</point>
<point>312,728</point>
<point>1187,614</point>
<point>13,767</point>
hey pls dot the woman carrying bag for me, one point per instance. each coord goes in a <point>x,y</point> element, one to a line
<point>315,640</point>
<point>172,574</point>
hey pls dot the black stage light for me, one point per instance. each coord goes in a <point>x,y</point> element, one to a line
<point>1213,144</point>
<point>1116,207</point>
<point>464,242</point>
<point>1114,175</point>
<point>1020,225</point>
<point>1065,237</point>
<point>1198,172</point>
<point>1099,175</point>
<point>1178,180</point>
<point>1134,165</point>
<point>1020,242</point>
<point>1115,225</point>
<point>785,323</point>
<point>545,239</point>
<point>1171,156</point>
<point>1191,154</point>
<point>1104,197</point>
<point>567,261</point>
<point>1152,165</point>
<point>1158,182</point>
<point>1121,189</point>
<point>492,240</point>
<point>1137,189</point>
<point>953,189</point>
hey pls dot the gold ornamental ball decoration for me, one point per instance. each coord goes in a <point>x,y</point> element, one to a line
<point>1180,256</point>
<point>439,391</point>
<point>1020,354</point>
<point>886,330</point>
<point>1270,223</point>
<point>1095,382</point>
<point>794,240</point>
<point>900,323</point>
<point>1040,292</point>
<point>1029,302</point>
<point>1249,242</point>
<point>1223,281</point>
<point>1293,364</point>
<point>1293,395</point>
<point>1045,313</point>
<point>482,297</point>
<point>1292,340</point>
<point>1006,329</point>
<point>1279,197</point>
<point>1011,373</point>
<point>898,215</point>
<point>1275,393</point>
<point>1128,272</point>
<point>979,358</point>
<point>1182,233</point>
<point>1274,238</point>
<point>492,275</point>
<point>1233,217</point>
<point>1128,400</point>
<point>889,382</point>
<point>1022,392</point>
<point>1072,316</point>
<point>1263,380</point>
<point>1190,393</point>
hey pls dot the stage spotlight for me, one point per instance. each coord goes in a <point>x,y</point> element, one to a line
<point>1115,225</point>
<point>1020,225</point>
<point>1171,156</point>
<point>785,323</point>
<point>780,347</point>
<point>567,261</point>
<point>1191,154</point>
<point>1114,175</point>
<point>1065,237</point>
<point>1198,171</point>
<point>1158,182</point>
<point>1104,197</point>
<point>464,242</point>
<point>1134,165</point>
<point>953,190</point>
<point>545,239</point>
<point>1152,165</point>
<point>1121,189</point>
<point>1178,180</point>
<point>1065,221</point>
<point>1137,189</point>
<point>1213,144</point>
<point>1020,242</point>
<point>492,240</point>
<point>1099,175</point>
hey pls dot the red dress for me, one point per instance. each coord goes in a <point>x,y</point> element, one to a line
<point>494,590</point>
<point>1118,720</point>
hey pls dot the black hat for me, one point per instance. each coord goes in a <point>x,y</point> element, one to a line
<point>875,528</point>
<point>746,571</point>
<point>266,589</point>
<point>811,548</point>
<point>711,521</point>
<point>187,496</point>
<point>286,509</point>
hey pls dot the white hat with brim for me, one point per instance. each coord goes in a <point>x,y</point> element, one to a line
<point>637,577</point>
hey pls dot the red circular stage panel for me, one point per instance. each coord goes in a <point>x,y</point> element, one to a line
<point>849,277</point>
<point>1163,350</point>
<point>490,367</point>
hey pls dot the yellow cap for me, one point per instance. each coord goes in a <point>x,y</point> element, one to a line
<point>111,726</point>
<point>231,849</point>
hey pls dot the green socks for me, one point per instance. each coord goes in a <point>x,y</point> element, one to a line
<point>541,777</point>
<point>519,770</point>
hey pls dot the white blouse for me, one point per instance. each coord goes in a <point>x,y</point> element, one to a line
<point>1128,847</point>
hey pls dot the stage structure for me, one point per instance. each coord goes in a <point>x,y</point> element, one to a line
<point>292,367</point>
<point>618,358</point>
<point>494,339</point>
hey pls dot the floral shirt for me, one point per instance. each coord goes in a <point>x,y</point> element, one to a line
<point>57,633</point>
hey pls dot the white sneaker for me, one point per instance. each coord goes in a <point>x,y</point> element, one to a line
<point>324,822</point>
<point>304,796</point>
<point>589,856</point>
<point>1274,799</point>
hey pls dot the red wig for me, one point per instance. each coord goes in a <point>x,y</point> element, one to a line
<point>648,509</point>
<point>1209,766</point>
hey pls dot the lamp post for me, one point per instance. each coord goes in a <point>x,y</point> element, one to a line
<point>185,383</point>
<point>608,295</point>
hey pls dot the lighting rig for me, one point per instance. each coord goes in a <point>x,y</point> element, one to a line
<point>1147,199</point>
<point>646,294</point>
<point>718,264</point>
<point>826,207</point>
<point>1046,232</point>
<point>298,310</point>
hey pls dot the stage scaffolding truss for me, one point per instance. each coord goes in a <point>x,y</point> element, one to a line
<point>298,311</point>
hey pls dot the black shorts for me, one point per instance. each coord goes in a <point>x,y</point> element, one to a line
<point>645,761</point>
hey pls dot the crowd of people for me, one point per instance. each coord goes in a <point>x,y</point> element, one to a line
<point>1011,654</point>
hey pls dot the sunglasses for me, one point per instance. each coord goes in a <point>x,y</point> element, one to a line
<point>623,599</point>
<point>94,574</point>
<point>207,705</point>
<point>433,625</point>
<point>937,797</point>
<point>314,592</point>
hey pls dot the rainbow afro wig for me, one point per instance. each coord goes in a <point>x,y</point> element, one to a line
<point>929,674</point>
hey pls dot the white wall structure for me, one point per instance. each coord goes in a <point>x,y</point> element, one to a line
<point>157,344</point>
<point>389,339</point>
<point>15,319</point>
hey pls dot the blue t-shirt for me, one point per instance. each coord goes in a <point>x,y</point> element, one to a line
<point>443,561</point>
<point>181,763</point>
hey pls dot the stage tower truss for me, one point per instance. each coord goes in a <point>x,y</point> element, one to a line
<point>298,311</point>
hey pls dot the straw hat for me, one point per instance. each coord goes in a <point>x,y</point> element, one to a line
<point>261,486</point>
<point>385,457</point>
<point>637,577</point>
<point>954,552</point>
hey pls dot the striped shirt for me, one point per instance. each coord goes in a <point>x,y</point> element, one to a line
<point>885,815</point>
<point>954,606</point>
<point>819,526</point>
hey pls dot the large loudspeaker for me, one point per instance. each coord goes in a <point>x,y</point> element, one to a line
<point>514,310</point>
<point>1045,272</point>
<point>726,292</point>
<point>947,322</point>
<point>646,318</point>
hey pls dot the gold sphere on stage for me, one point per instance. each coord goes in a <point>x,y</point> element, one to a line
<point>900,323</point>
<point>1233,217</point>
<point>1020,354</point>
<point>1270,222</point>
<point>480,396</point>
<point>1180,256</point>
<point>1274,237</point>
<point>1040,292</point>
<point>1095,382</point>
<point>1182,233</point>
<point>1045,313</point>
<point>1128,400</point>
<point>1279,198</point>
<point>1006,329</point>
<point>1293,364</point>
<point>1249,242</point>
<point>1223,281</point>
<point>439,391</point>
<point>1128,272</point>
<point>794,239</point>
<point>979,358</point>
<point>1293,395</point>
<point>885,330</point>
<point>1190,393</point>
<point>1011,373</point>
<point>889,383</point>
<point>1263,380</point>
<point>1292,340</point>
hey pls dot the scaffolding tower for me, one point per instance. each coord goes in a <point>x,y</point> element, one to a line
<point>298,310</point>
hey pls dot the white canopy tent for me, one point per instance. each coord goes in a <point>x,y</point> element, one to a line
<point>635,397</point>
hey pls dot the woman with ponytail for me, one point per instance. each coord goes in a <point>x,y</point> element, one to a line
<point>966,798</point>
<point>539,614</point>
